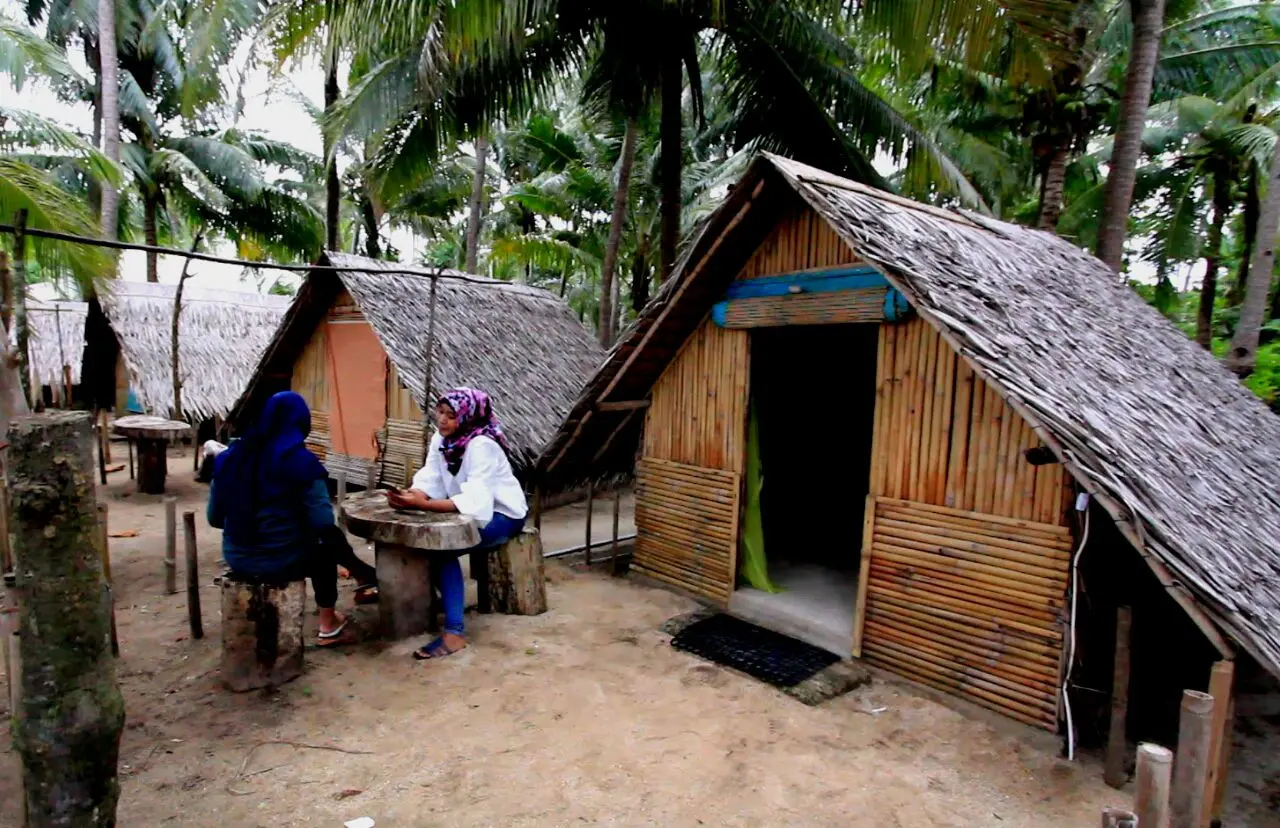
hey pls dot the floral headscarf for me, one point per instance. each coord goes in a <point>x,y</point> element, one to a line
<point>475,418</point>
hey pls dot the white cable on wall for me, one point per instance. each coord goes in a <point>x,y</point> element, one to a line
<point>1082,505</point>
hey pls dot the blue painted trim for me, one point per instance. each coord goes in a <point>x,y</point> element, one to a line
<point>719,312</point>
<point>823,281</point>
<point>896,306</point>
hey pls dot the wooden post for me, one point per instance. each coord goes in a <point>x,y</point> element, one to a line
<point>262,633</point>
<point>371,481</point>
<point>1191,768</point>
<point>104,544</point>
<point>591,496</point>
<point>130,444</point>
<point>193,575</point>
<point>1224,763</point>
<point>517,577</point>
<point>1116,774</point>
<point>9,649</point>
<point>6,552</point>
<point>102,449</point>
<point>1221,678</point>
<point>68,735</point>
<point>103,420</point>
<point>1118,818</point>
<point>1151,799</point>
<point>617,513</point>
<point>170,546</point>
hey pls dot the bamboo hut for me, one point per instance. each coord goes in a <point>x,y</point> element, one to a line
<point>926,393</point>
<point>222,335</point>
<point>55,345</point>
<point>357,346</point>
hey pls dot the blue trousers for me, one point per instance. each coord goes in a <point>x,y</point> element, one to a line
<point>448,570</point>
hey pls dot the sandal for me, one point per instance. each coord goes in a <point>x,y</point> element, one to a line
<point>337,637</point>
<point>366,594</point>
<point>434,649</point>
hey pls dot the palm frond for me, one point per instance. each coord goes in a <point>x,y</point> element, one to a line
<point>24,55</point>
<point>49,207</point>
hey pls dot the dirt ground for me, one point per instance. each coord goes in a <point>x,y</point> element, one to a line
<point>583,715</point>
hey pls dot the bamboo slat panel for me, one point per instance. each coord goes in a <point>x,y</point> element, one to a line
<point>830,308</point>
<point>345,309</point>
<point>944,437</point>
<point>803,241</point>
<point>698,410</point>
<point>687,527</point>
<point>968,603</point>
<point>310,375</point>
<point>403,450</point>
<point>318,439</point>
<point>400,403</point>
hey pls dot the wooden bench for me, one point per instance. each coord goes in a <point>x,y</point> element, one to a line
<point>263,632</point>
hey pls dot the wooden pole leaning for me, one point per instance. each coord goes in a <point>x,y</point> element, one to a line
<point>1191,767</point>
<point>1151,799</point>
<point>1221,678</point>
<point>193,575</point>
<point>1116,773</point>
<point>170,546</point>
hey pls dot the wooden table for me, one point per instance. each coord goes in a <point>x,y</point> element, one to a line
<point>153,435</point>
<point>402,540</point>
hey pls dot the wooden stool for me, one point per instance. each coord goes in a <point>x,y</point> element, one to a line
<point>511,578</point>
<point>262,632</point>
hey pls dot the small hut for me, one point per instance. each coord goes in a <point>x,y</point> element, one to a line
<point>222,335</point>
<point>902,406</point>
<point>355,345</point>
<point>55,346</point>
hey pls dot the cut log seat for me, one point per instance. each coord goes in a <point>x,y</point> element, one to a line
<point>262,632</point>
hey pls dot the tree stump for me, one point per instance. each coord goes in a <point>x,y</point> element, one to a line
<point>404,590</point>
<point>68,726</point>
<point>152,465</point>
<point>517,579</point>
<point>262,632</point>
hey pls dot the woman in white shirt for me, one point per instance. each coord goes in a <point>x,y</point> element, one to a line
<point>468,471</point>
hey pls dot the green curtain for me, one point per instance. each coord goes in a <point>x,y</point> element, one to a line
<point>752,565</point>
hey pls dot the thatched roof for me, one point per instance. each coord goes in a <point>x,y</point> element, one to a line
<point>45,354</point>
<point>222,336</point>
<point>1182,455</point>
<point>521,344</point>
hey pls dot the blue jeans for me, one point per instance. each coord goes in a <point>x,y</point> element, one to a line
<point>448,571</point>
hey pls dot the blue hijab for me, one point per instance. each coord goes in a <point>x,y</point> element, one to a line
<point>269,463</point>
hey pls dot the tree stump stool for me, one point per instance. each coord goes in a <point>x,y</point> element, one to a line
<point>511,579</point>
<point>262,632</point>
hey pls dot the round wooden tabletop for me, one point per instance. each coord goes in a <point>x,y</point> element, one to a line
<point>151,428</point>
<point>368,516</point>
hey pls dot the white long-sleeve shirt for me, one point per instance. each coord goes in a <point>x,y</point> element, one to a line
<point>483,485</point>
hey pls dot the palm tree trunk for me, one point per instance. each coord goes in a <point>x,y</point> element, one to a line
<point>372,245</point>
<point>640,276</point>
<point>474,215</point>
<point>110,111</point>
<point>616,223</point>
<point>13,401</point>
<point>332,187</point>
<point>95,65</point>
<point>1055,176</point>
<point>1244,345</point>
<point>670,134</point>
<point>1148,21</point>
<point>150,205</point>
<point>1213,252</point>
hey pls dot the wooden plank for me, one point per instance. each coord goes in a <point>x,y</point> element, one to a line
<point>884,370</point>
<point>864,573</point>
<point>1221,679</point>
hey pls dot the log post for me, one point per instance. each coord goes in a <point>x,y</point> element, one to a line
<point>193,575</point>
<point>1191,767</point>
<point>1116,774</point>
<point>170,546</point>
<point>152,465</point>
<point>591,496</point>
<point>71,713</point>
<point>1221,678</point>
<point>1118,818</point>
<point>104,544</point>
<point>9,649</point>
<point>517,577</point>
<point>104,422</point>
<point>1224,763</point>
<point>129,442</point>
<point>102,450</point>
<point>404,590</point>
<point>1151,799</point>
<point>262,632</point>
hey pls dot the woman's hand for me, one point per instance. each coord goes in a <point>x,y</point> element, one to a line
<point>415,499</point>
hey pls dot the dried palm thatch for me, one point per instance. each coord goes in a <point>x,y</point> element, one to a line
<point>45,353</point>
<point>222,335</point>
<point>1182,455</point>
<point>520,344</point>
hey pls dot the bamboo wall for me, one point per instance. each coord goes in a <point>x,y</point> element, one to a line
<point>803,241</point>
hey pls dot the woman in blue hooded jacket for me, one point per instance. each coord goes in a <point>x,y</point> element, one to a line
<point>270,499</point>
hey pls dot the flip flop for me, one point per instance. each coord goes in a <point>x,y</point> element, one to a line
<point>434,649</point>
<point>336,638</point>
<point>367,594</point>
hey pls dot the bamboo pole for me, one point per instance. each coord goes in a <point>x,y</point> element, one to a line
<point>170,545</point>
<point>1221,678</point>
<point>1151,799</point>
<point>193,575</point>
<point>1224,763</point>
<point>864,574</point>
<point>1191,767</point>
<point>1116,774</point>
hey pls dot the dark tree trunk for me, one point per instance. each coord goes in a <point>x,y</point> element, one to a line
<point>332,187</point>
<point>1244,344</point>
<point>1051,184</point>
<point>95,65</point>
<point>1235,290</point>
<point>671,159</point>
<point>68,731</point>
<point>1213,252</point>
<point>372,244</point>
<point>475,211</point>
<point>640,277</point>
<point>1148,21</point>
<point>616,223</point>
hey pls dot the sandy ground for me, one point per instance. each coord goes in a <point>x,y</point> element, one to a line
<point>583,715</point>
